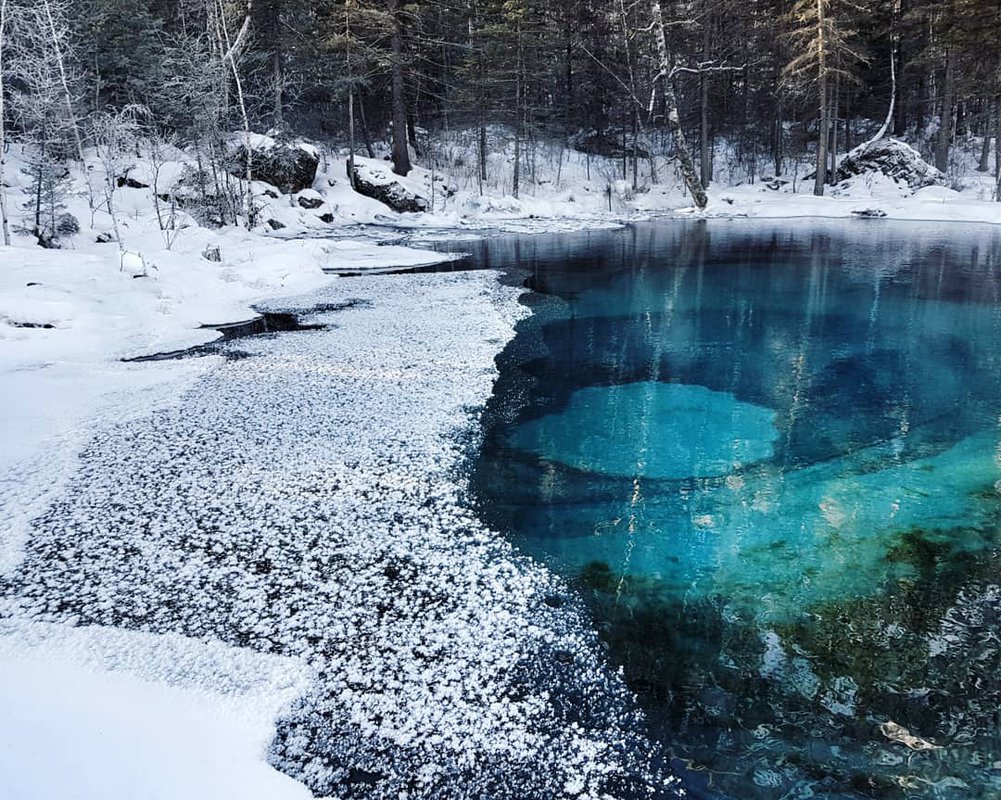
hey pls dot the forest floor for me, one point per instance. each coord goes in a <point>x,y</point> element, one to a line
<point>94,444</point>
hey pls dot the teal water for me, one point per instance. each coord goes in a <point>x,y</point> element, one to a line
<point>768,460</point>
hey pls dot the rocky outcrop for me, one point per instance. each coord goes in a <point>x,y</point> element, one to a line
<point>892,158</point>
<point>376,180</point>
<point>288,166</point>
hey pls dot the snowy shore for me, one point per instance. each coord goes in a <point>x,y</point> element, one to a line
<point>293,525</point>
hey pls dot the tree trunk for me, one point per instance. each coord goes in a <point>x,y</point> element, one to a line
<point>60,62</point>
<point>821,175</point>
<point>997,152</point>
<point>516,177</point>
<point>705,144</point>
<point>364,126</point>
<point>351,138</point>
<point>666,77</point>
<point>232,49</point>
<point>278,76</point>
<point>401,155</point>
<point>893,98</point>
<point>4,217</point>
<point>835,113</point>
<point>482,155</point>
<point>945,127</point>
<point>985,150</point>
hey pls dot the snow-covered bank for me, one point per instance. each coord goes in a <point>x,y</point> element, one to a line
<point>100,712</point>
<point>306,502</point>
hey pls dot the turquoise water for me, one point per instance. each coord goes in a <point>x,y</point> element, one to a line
<point>768,460</point>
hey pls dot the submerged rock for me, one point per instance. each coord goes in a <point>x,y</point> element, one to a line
<point>892,158</point>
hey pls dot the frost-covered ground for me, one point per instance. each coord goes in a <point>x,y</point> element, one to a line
<point>296,518</point>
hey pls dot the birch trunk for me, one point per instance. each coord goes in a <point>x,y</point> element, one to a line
<point>231,52</point>
<point>666,77</point>
<point>4,217</point>
<point>820,177</point>
<point>68,97</point>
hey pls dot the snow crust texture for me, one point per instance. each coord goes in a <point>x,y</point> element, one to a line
<point>307,501</point>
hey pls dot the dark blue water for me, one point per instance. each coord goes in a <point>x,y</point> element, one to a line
<point>769,461</point>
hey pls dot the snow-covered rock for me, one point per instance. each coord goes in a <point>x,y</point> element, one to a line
<point>309,199</point>
<point>892,158</point>
<point>414,192</point>
<point>289,166</point>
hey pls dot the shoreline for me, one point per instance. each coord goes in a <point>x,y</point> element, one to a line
<point>471,680</point>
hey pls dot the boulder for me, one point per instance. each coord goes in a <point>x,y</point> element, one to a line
<point>288,166</point>
<point>892,158</point>
<point>130,180</point>
<point>309,199</point>
<point>375,179</point>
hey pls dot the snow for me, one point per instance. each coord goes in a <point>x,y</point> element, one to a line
<point>94,712</point>
<point>306,502</point>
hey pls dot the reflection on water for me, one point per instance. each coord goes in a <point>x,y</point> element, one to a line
<point>770,461</point>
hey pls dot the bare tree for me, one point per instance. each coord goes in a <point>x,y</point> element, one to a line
<point>231,48</point>
<point>665,77</point>
<point>55,15</point>
<point>116,135</point>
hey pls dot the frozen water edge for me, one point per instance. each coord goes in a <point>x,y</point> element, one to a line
<point>308,503</point>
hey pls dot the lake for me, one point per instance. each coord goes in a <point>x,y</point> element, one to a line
<point>767,459</point>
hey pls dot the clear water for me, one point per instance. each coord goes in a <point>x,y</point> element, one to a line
<point>769,461</point>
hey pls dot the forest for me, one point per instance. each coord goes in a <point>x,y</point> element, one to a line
<point>773,80</point>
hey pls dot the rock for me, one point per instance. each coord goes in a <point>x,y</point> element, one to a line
<point>212,253</point>
<point>275,225</point>
<point>892,158</point>
<point>328,217</point>
<point>47,241</point>
<point>289,166</point>
<point>309,199</point>
<point>868,213</point>
<point>129,181</point>
<point>105,238</point>
<point>375,179</point>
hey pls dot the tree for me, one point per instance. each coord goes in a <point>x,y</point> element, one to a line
<point>4,214</point>
<point>825,49</point>
<point>665,78</point>
<point>401,153</point>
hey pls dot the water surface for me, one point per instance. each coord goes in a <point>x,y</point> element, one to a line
<point>768,458</point>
